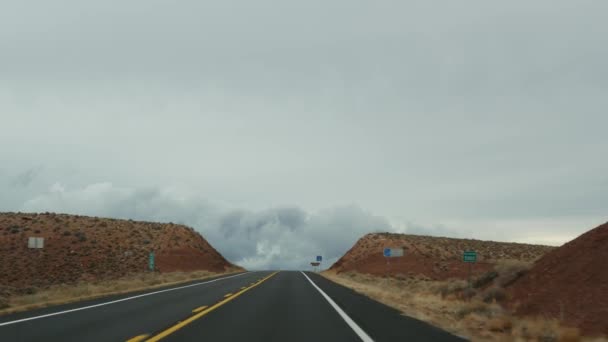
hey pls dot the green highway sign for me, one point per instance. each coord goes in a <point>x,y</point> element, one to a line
<point>469,256</point>
<point>151,261</point>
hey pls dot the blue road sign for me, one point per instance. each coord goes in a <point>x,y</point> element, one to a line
<point>387,252</point>
<point>319,258</point>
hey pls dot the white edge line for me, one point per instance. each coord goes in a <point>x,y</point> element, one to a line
<point>357,329</point>
<point>117,301</point>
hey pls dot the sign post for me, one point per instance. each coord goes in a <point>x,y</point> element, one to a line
<point>314,266</point>
<point>391,253</point>
<point>151,261</point>
<point>469,257</point>
<point>317,263</point>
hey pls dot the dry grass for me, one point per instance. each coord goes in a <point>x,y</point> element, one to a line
<point>63,294</point>
<point>443,304</point>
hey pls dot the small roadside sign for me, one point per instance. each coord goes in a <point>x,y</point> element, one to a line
<point>319,258</point>
<point>315,264</point>
<point>393,252</point>
<point>35,242</point>
<point>151,261</point>
<point>469,256</point>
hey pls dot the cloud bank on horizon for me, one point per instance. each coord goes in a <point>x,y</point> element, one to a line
<point>285,129</point>
<point>277,238</point>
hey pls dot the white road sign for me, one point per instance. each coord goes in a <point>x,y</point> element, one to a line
<point>35,242</point>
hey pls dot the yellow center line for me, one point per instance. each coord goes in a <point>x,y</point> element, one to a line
<point>138,338</point>
<point>243,287</point>
<point>228,295</point>
<point>200,308</point>
<point>191,319</point>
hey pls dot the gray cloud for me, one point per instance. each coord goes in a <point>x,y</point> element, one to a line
<point>469,119</point>
<point>26,177</point>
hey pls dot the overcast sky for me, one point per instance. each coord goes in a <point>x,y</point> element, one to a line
<point>285,129</point>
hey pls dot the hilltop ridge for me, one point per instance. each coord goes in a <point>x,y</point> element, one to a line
<point>435,258</point>
<point>81,248</point>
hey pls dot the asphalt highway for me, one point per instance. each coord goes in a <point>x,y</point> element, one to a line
<point>253,306</point>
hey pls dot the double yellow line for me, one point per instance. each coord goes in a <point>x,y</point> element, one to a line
<point>200,314</point>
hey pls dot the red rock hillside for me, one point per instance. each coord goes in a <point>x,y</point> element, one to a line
<point>91,248</point>
<point>436,258</point>
<point>570,283</point>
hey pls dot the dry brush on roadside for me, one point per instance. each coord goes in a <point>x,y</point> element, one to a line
<point>16,299</point>
<point>476,312</point>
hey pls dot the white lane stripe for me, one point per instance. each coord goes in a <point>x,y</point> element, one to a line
<point>357,329</point>
<point>117,301</point>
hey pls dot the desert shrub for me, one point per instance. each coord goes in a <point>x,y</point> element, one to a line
<point>494,294</point>
<point>500,324</point>
<point>511,270</point>
<point>569,335</point>
<point>401,276</point>
<point>452,287</point>
<point>30,290</point>
<point>4,303</point>
<point>485,279</point>
<point>476,307</point>
<point>468,293</point>
<point>81,236</point>
<point>548,335</point>
<point>153,281</point>
<point>539,330</point>
<point>67,233</point>
<point>480,308</point>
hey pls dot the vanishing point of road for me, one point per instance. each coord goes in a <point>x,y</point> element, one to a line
<point>252,306</point>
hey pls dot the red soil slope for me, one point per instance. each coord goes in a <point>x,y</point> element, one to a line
<point>90,248</point>
<point>570,283</point>
<point>436,258</point>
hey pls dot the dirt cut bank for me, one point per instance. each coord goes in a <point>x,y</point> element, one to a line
<point>569,283</point>
<point>88,249</point>
<point>435,258</point>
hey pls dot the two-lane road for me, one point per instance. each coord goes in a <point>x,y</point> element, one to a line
<point>253,306</point>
